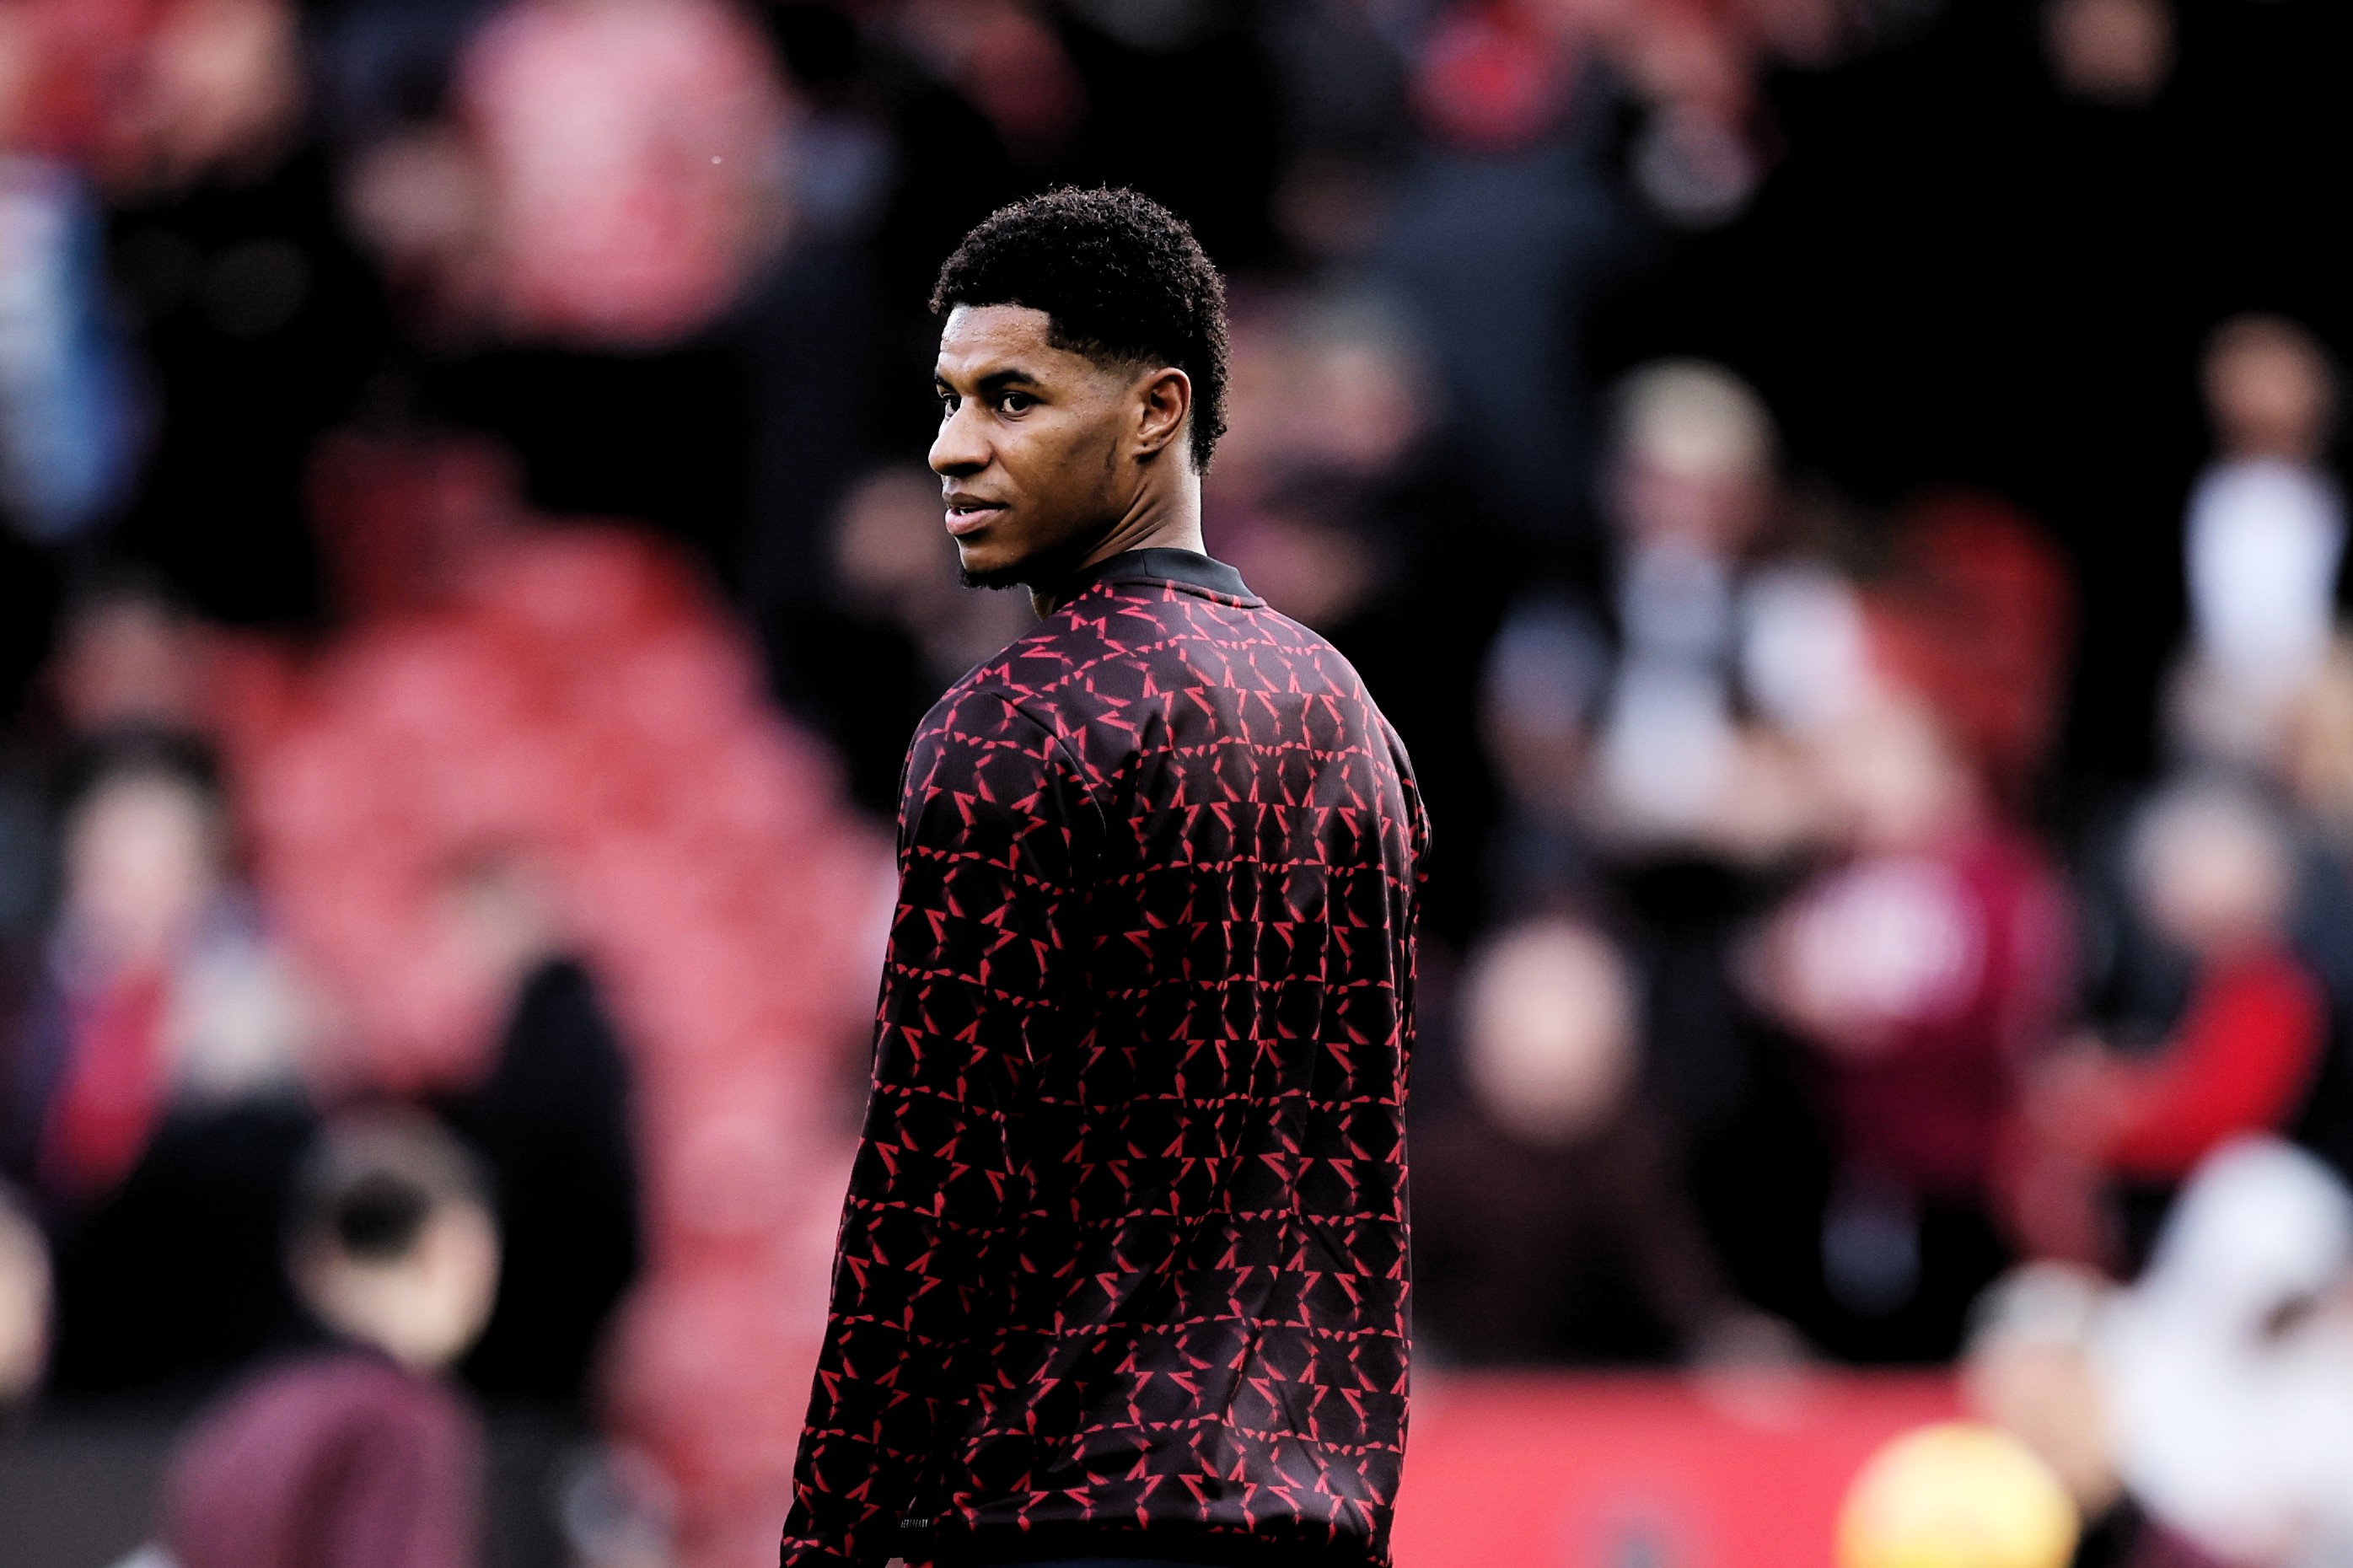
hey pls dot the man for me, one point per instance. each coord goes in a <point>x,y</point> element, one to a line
<point>1122,1269</point>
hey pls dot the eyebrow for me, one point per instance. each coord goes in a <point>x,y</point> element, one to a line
<point>998,380</point>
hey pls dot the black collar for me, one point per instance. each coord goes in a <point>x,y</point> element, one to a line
<point>1161,564</point>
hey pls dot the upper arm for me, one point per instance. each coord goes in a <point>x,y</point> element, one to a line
<point>994,839</point>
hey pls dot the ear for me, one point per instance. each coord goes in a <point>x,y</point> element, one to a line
<point>1164,397</point>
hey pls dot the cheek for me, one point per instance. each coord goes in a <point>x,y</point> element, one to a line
<point>1059,467</point>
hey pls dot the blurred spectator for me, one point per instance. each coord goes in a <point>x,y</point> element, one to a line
<point>1959,1494</point>
<point>1326,384</point>
<point>2213,875</point>
<point>605,175</point>
<point>129,657</point>
<point>549,1114</point>
<point>627,156</point>
<point>216,87</point>
<point>155,1096</point>
<point>889,162</point>
<point>1713,630</point>
<point>2230,1364</point>
<point>356,1456</point>
<point>866,664</point>
<point>1731,644</point>
<point>1548,1221</point>
<point>124,659</point>
<point>2113,52</point>
<point>1927,970</point>
<point>2265,540</point>
<point>1312,551</point>
<point>577,226</point>
<point>2033,1368</point>
<point>1498,256</point>
<point>256,320</point>
<point>1539,693</point>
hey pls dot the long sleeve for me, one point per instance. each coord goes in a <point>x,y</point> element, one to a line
<point>993,828</point>
<point>2244,1052</point>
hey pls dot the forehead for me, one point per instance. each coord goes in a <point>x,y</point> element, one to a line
<point>984,340</point>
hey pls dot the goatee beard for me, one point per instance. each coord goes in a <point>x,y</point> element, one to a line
<point>1041,572</point>
<point>1013,576</point>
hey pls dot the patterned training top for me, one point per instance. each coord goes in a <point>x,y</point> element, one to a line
<point>1122,1266</point>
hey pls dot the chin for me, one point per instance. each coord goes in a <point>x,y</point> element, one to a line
<point>1007,565</point>
<point>982,568</point>
<point>1012,575</point>
<point>1004,568</point>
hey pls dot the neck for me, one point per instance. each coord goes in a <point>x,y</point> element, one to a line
<point>1162,517</point>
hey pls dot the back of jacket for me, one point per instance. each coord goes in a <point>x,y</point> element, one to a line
<point>1124,1262</point>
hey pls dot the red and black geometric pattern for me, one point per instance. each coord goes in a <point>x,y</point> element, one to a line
<point>1123,1267</point>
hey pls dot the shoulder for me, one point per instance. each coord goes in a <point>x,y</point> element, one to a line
<point>984,747</point>
<point>1096,646</point>
<point>333,1383</point>
<point>984,710</point>
<point>303,1405</point>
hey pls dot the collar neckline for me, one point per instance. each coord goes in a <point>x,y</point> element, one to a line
<point>1163,564</point>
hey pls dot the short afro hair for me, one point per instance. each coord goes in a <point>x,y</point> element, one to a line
<point>1123,278</point>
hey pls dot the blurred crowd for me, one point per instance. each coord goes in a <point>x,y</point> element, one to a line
<point>1838,497</point>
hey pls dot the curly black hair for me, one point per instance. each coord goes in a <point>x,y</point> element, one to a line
<point>1123,278</point>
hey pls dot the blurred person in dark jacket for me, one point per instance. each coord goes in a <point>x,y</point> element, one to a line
<point>1549,1222</point>
<point>1545,674</point>
<point>538,1087</point>
<point>357,1455</point>
<point>153,1094</point>
<point>255,319</point>
<point>866,664</point>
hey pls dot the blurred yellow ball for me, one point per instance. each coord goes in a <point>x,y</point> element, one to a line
<point>1955,1495</point>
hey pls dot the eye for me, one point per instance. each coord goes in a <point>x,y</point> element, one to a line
<point>1016,401</point>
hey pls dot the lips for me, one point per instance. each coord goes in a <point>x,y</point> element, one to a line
<point>968,514</point>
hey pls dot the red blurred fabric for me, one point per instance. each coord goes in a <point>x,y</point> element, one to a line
<point>114,1085</point>
<point>1493,77</point>
<point>2243,1053</point>
<point>75,56</point>
<point>1930,1100</point>
<point>1978,616</point>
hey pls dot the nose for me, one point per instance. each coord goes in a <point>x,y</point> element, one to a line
<point>961,449</point>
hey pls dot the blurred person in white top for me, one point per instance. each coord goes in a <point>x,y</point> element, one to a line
<point>2264,541</point>
<point>2229,1365</point>
<point>1717,636</point>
